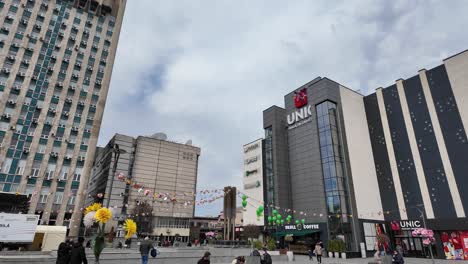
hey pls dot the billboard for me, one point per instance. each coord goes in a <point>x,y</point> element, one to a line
<point>17,228</point>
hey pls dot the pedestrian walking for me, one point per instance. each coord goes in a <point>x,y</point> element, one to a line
<point>63,253</point>
<point>78,254</point>
<point>397,258</point>
<point>318,252</point>
<point>310,252</point>
<point>205,259</point>
<point>145,248</point>
<point>266,258</point>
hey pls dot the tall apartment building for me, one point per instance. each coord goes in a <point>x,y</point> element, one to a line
<point>167,169</point>
<point>56,60</point>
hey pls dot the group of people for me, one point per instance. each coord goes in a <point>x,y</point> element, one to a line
<point>265,258</point>
<point>317,250</point>
<point>71,252</point>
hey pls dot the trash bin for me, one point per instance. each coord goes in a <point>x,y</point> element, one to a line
<point>290,255</point>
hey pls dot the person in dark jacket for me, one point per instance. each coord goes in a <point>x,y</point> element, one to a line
<point>145,248</point>
<point>397,258</point>
<point>78,254</point>
<point>205,259</point>
<point>63,253</point>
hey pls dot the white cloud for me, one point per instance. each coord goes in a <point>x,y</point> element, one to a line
<point>206,71</point>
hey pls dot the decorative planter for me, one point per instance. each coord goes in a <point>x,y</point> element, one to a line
<point>343,255</point>
<point>336,255</point>
<point>330,254</point>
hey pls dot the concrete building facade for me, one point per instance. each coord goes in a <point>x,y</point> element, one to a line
<point>166,170</point>
<point>56,62</point>
<point>356,167</point>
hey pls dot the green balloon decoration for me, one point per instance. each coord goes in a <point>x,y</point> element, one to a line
<point>282,221</point>
<point>260,208</point>
<point>297,222</point>
<point>289,217</point>
<point>244,204</point>
<point>303,221</point>
<point>275,212</point>
<point>279,216</point>
<point>269,219</point>
<point>274,218</point>
<point>244,201</point>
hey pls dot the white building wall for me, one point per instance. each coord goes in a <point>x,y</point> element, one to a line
<point>253,182</point>
<point>366,188</point>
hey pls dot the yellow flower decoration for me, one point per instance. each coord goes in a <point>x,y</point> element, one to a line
<point>131,227</point>
<point>103,215</point>
<point>93,208</point>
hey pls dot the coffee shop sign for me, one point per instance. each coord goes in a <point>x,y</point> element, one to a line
<point>304,227</point>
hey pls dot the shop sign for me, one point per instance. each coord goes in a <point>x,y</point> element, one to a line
<point>410,224</point>
<point>303,113</point>
<point>302,227</point>
<point>251,147</point>
<point>252,185</point>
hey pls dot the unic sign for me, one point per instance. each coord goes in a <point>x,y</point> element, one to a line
<point>410,224</point>
<point>303,113</point>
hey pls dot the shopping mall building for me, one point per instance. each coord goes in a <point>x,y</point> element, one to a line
<point>354,166</point>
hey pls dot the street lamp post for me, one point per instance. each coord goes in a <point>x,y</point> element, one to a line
<point>425,226</point>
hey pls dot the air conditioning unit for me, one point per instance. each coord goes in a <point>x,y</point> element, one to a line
<point>75,128</point>
<point>35,77</point>
<point>41,15</point>
<point>38,26</point>
<point>62,125</point>
<point>11,101</point>
<point>26,62</point>
<point>6,70</point>
<point>35,120</point>
<point>54,57</point>
<point>66,60</point>
<point>90,118</point>
<point>26,150</point>
<point>81,158</point>
<point>59,84</point>
<point>54,154</point>
<point>5,29</point>
<point>58,138</point>
<point>27,103</point>
<point>13,127</point>
<point>44,4</point>
<point>21,74</point>
<point>72,38</point>
<point>78,115</point>
<point>68,157</point>
<point>98,83</point>
<point>52,110</point>
<point>95,46</point>
<point>45,136</point>
<point>38,106</point>
<point>89,68</point>
<point>7,116</point>
<point>56,96</point>
<point>78,64</point>
<point>48,123</point>
<point>24,21</point>
<point>11,57</point>
<point>3,83</point>
<point>75,75</point>
<point>17,87</point>
<point>81,103</point>
<point>69,100</point>
<point>93,106</point>
<point>9,17</point>
<point>30,134</point>
<point>66,113</point>
<point>86,32</point>
<point>17,45</point>
<point>51,69</point>
<point>87,130</point>
<point>73,88</point>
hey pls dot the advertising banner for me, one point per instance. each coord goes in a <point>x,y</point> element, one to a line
<point>17,228</point>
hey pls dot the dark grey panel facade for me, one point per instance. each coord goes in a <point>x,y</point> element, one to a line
<point>403,155</point>
<point>275,118</point>
<point>452,127</point>
<point>381,159</point>
<point>431,160</point>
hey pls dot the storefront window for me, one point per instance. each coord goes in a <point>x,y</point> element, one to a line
<point>455,244</point>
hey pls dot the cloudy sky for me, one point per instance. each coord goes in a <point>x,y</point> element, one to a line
<point>205,70</point>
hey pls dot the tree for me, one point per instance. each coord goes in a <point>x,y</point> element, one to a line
<point>143,216</point>
<point>251,231</point>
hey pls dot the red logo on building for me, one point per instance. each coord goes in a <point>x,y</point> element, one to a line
<point>300,98</point>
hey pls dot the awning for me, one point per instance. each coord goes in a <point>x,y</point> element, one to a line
<point>296,232</point>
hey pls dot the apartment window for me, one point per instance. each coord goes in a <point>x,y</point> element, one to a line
<point>71,200</point>
<point>64,173</point>
<point>58,198</point>
<point>14,187</point>
<point>77,176</point>
<point>50,171</point>
<point>41,148</point>
<point>6,165</point>
<point>44,194</point>
<point>29,190</point>
<point>20,167</point>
